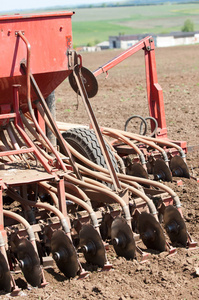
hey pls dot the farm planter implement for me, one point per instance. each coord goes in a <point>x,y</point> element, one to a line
<point>55,203</point>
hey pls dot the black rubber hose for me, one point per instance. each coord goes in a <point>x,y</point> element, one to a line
<point>133,117</point>
<point>156,126</point>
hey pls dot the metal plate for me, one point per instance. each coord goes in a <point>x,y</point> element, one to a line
<point>161,171</point>
<point>5,276</point>
<point>151,232</point>
<point>64,254</point>
<point>31,268</point>
<point>121,232</point>
<point>89,80</point>
<point>175,226</point>
<point>179,167</point>
<point>92,245</point>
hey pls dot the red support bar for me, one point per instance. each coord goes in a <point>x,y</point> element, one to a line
<point>7,116</point>
<point>15,152</point>
<point>118,59</point>
<point>154,90</point>
<point>19,126</point>
<point>61,196</point>
<point>40,120</point>
<point>1,207</point>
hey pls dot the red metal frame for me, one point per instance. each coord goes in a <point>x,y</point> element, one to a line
<point>50,67</point>
<point>19,127</point>
<point>154,90</point>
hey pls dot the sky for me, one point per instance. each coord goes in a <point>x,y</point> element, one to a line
<point>7,5</point>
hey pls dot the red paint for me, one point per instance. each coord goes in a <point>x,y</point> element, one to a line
<point>50,36</point>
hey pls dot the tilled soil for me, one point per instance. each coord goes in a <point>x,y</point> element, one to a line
<point>120,95</point>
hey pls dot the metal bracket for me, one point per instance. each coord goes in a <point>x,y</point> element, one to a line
<point>72,59</point>
<point>17,32</point>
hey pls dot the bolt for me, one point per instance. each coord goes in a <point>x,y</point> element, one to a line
<point>89,247</point>
<point>149,235</point>
<point>115,241</point>
<point>61,254</point>
<point>178,172</point>
<point>25,262</point>
<point>21,264</point>
<point>120,241</point>
<point>56,256</point>
<point>172,227</point>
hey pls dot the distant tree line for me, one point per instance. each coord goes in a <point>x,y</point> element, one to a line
<point>136,3</point>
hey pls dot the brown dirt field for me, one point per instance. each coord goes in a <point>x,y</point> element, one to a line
<point>121,95</point>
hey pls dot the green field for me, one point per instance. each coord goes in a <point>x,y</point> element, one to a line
<point>94,25</point>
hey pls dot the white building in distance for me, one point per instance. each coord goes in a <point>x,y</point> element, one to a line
<point>160,40</point>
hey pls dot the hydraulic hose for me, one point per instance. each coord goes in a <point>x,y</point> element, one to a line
<point>15,196</point>
<point>111,194</point>
<point>138,138</point>
<point>140,193</point>
<point>116,134</point>
<point>76,200</point>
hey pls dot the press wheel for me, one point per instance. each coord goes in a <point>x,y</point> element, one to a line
<point>5,276</point>
<point>92,245</point>
<point>151,232</point>
<point>175,226</point>
<point>29,262</point>
<point>122,238</point>
<point>64,254</point>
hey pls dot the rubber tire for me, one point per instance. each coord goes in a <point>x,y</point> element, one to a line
<point>85,142</point>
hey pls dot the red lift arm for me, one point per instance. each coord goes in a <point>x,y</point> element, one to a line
<point>154,90</point>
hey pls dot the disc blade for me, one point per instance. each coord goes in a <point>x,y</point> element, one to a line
<point>175,226</point>
<point>151,232</point>
<point>5,276</point>
<point>161,171</point>
<point>64,253</point>
<point>122,238</point>
<point>31,267</point>
<point>105,227</point>
<point>179,167</point>
<point>89,81</point>
<point>137,170</point>
<point>93,246</point>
